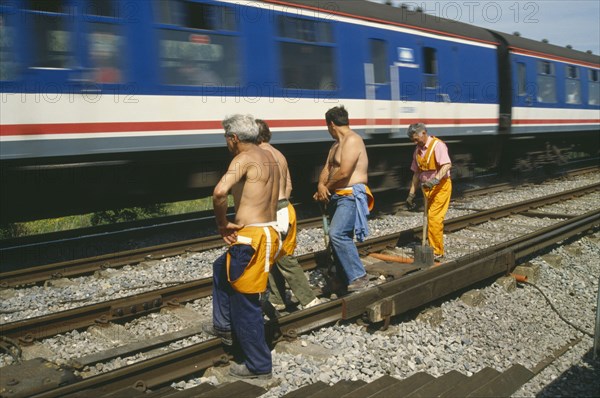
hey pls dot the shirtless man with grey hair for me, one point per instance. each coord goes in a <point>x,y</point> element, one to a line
<point>240,275</point>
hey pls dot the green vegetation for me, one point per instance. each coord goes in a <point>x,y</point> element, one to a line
<point>105,217</point>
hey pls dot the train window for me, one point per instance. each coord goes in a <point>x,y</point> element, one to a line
<point>193,58</point>
<point>593,87</point>
<point>430,67</point>
<point>307,58</point>
<point>380,60</point>
<point>199,59</point>
<point>194,15</point>
<point>8,60</point>
<point>545,68</point>
<point>305,29</point>
<point>105,43</point>
<point>55,6</point>
<point>546,82</point>
<point>51,39</point>
<point>573,85</point>
<point>101,8</point>
<point>307,66</point>
<point>521,79</point>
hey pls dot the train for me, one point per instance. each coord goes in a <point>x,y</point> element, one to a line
<point>118,103</point>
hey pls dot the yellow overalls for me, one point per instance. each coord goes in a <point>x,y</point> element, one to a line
<point>438,200</point>
<point>257,248</point>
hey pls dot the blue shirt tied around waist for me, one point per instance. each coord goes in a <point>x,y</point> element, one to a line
<point>361,226</point>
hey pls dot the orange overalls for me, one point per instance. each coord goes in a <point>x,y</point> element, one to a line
<point>438,200</point>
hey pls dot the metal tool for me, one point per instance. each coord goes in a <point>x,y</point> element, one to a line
<point>423,254</point>
<point>333,283</point>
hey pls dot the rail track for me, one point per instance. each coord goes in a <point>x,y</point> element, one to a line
<point>63,251</point>
<point>127,308</point>
<point>377,304</point>
<point>89,264</point>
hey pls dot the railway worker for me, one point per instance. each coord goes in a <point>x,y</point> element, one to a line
<point>343,188</point>
<point>287,267</point>
<point>240,275</point>
<point>431,169</point>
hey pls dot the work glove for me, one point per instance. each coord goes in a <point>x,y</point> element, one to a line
<point>410,201</point>
<point>431,183</point>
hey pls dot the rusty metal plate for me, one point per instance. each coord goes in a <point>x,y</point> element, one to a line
<point>33,377</point>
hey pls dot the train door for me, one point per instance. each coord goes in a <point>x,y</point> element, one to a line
<point>377,83</point>
<point>430,84</point>
<point>524,94</point>
<point>523,98</point>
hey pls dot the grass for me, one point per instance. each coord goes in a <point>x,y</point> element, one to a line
<point>105,217</point>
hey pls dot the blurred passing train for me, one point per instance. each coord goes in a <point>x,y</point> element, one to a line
<point>109,103</point>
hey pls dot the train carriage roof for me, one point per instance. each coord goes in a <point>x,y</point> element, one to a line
<point>541,48</point>
<point>376,12</point>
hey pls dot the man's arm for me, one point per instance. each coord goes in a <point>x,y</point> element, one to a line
<point>410,200</point>
<point>288,185</point>
<point>323,194</point>
<point>413,184</point>
<point>234,174</point>
<point>441,173</point>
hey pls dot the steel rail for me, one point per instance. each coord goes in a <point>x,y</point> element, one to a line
<point>126,308</point>
<point>91,264</point>
<point>386,300</point>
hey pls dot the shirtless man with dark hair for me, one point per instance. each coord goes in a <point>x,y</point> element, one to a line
<point>343,187</point>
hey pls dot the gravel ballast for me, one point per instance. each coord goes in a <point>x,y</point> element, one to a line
<point>509,327</point>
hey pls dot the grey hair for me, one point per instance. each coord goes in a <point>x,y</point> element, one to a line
<point>415,128</point>
<point>244,126</point>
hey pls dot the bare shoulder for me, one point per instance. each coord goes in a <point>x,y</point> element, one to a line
<point>276,154</point>
<point>356,136</point>
<point>354,140</point>
<point>241,158</point>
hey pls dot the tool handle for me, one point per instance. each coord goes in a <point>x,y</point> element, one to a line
<point>325,223</point>
<point>424,240</point>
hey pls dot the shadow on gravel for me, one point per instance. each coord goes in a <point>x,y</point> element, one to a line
<point>577,381</point>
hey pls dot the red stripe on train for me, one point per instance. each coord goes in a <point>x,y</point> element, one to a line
<point>555,121</point>
<point>82,128</point>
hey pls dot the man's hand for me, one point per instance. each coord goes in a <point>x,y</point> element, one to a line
<point>322,194</point>
<point>229,232</point>
<point>410,201</point>
<point>431,183</point>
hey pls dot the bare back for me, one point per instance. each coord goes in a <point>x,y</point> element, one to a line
<point>284,173</point>
<point>256,191</point>
<point>349,155</point>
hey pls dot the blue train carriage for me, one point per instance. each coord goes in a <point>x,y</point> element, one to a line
<point>554,89</point>
<point>390,66</point>
<point>89,77</point>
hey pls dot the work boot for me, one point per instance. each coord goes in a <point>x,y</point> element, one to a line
<point>226,337</point>
<point>241,371</point>
<point>316,301</point>
<point>359,284</point>
<point>279,307</point>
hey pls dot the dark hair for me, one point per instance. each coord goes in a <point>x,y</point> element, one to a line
<point>264,134</point>
<point>338,115</point>
<point>415,128</point>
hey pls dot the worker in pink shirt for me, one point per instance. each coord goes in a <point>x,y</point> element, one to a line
<point>431,167</point>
